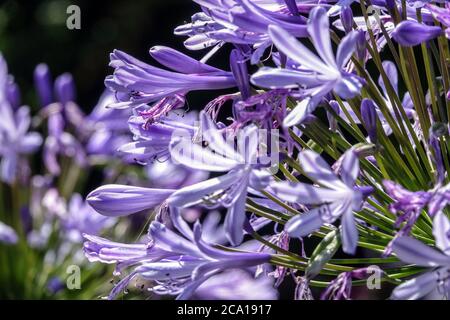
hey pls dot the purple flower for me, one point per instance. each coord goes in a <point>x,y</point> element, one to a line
<point>59,142</point>
<point>15,140</point>
<point>241,22</point>
<point>229,190</point>
<point>408,106</point>
<point>115,200</point>
<point>369,118</point>
<point>166,174</point>
<point>411,33</point>
<point>7,234</point>
<point>43,84</point>
<point>442,15</point>
<point>107,127</point>
<point>237,285</point>
<point>136,83</point>
<point>316,76</point>
<point>177,265</point>
<point>341,287</point>
<point>152,139</point>
<point>80,218</point>
<point>412,251</point>
<point>337,198</point>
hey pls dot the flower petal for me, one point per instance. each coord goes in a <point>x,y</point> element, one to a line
<point>414,251</point>
<point>318,170</point>
<point>441,232</point>
<point>304,224</point>
<point>417,287</point>
<point>120,200</point>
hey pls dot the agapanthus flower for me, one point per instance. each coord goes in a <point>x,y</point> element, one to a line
<point>413,251</point>
<point>120,200</point>
<point>341,287</point>
<point>80,218</point>
<point>408,205</point>
<point>136,83</point>
<point>407,103</point>
<point>152,139</point>
<point>242,22</point>
<point>107,127</point>
<point>15,139</point>
<point>442,15</point>
<point>7,234</point>
<point>337,198</point>
<point>236,285</point>
<point>315,75</point>
<point>177,265</point>
<point>244,172</point>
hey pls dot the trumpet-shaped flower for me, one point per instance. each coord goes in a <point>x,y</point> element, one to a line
<point>413,251</point>
<point>230,190</point>
<point>317,75</point>
<point>137,83</point>
<point>176,264</point>
<point>336,198</point>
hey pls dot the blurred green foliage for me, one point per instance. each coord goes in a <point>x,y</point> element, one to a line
<point>35,31</point>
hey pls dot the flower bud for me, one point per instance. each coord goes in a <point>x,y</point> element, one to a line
<point>43,84</point>
<point>369,118</point>
<point>240,72</point>
<point>361,45</point>
<point>13,94</point>
<point>65,88</point>
<point>410,33</point>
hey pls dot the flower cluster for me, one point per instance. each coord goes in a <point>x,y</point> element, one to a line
<point>332,135</point>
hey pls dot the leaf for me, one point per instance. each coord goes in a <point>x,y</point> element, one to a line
<point>323,253</point>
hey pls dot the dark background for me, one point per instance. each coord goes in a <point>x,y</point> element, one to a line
<point>32,32</point>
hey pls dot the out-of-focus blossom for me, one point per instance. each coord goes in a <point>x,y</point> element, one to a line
<point>120,200</point>
<point>15,139</point>
<point>7,234</point>
<point>80,218</point>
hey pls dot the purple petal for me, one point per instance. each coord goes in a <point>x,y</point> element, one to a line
<point>318,170</point>
<point>346,49</point>
<point>441,232</point>
<point>410,33</point>
<point>120,200</point>
<point>350,168</point>
<point>318,28</point>
<point>195,193</point>
<point>414,251</point>
<point>180,62</point>
<point>234,221</point>
<point>7,234</point>
<point>417,287</point>
<point>304,193</point>
<point>170,241</point>
<point>304,224</point>
<point>349,233</point>
<point>292,48</point>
